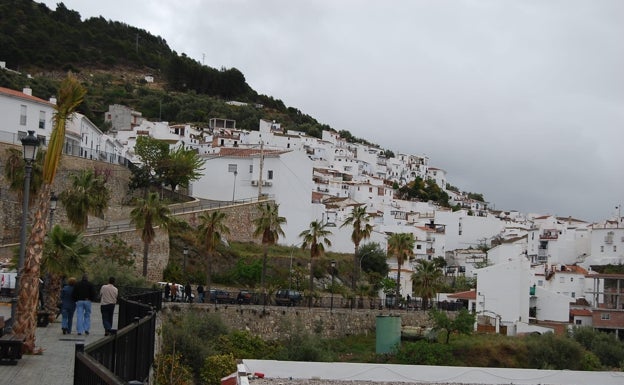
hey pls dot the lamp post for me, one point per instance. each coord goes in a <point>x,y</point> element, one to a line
<point>30,143</point>
<point>185,252</point>
<point>53,203</point>
<point>331,303</point>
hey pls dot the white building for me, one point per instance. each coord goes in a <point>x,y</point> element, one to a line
<point>21,112</point>
<point>234,174</point>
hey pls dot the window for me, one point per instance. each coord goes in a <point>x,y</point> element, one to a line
<point>270,174</point>
<point>561,279</point>
<point>540,282</point>
<point>578,322</point>
<point>602,249</point>
<point>22,115</point>
<point>42,119</point>
<point>251,168</point>
<point>605,316</point>
<point>614,248</point>
<point>418,247</point>
<point>573,294</point>
<point>571,279</point>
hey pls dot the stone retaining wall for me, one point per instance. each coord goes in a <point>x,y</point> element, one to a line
<point>279,322</point>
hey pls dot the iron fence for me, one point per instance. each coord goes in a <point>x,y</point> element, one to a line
<point>126,355</point>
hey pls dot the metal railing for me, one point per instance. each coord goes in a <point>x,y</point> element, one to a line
<point>126,355</point>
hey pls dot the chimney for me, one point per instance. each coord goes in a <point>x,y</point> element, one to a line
<point>53,99</point>
<point>28,91</point>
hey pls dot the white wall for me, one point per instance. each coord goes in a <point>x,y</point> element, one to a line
<point>504,290</point>
<point>552,306</point>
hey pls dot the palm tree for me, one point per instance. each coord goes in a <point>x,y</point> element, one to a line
<point>426,280</point>
<point>269,226</point>
<point>315,236</point>
<point>88,195</point>
<point>64,255</point>
<point>361,230</point>
<point>401,246</point>
<point>70,96</point>
<point>211,232</point>
<point>148,214</point>
<point>14,173</point>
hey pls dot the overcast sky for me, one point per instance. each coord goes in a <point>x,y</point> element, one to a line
<point>522,101</point>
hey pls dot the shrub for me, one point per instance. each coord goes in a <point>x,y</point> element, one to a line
<point>170,371</point>
<point>424,353</point>
<point>216,367</point>
<point>242,344</point>
<point>554,352</point>
<point>606,347</point>
<point>193,335</point>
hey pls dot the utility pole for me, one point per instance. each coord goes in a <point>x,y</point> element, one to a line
<point>261,169</point>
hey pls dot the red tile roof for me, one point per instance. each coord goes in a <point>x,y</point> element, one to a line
<point>580,313</point>
<point>471,294</point>
<point>21,95</point>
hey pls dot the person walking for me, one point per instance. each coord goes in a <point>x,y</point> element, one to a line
<point>200,293</point>
<point>188,293</point>
<point>108,299</point>
<point>68,305</point>
<point>174,292</point>
<point>167,291</point>
<point>84,294</point>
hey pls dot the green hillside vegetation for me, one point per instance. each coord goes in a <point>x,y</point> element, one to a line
<point>112,59</point>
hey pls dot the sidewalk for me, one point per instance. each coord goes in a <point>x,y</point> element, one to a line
<point>55,366</point>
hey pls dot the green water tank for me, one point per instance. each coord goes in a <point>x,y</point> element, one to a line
<point>388,333</point>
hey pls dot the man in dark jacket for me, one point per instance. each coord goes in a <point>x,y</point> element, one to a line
<point>84,294</point>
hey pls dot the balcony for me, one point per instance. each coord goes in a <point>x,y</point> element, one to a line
<point>430,251</point>
<point>550,234</point>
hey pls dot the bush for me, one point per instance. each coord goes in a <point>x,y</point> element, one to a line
<point>554,352</point>
<point>606,347</point>
<point>193,335</point>
<point>424,353</point>
<point>169,371</point>
<point>216,367</point>
<point>242,344</point>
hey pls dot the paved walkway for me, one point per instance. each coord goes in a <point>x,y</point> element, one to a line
<point>55,366</point>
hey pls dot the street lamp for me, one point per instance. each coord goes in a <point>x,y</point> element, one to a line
<point>331,303</point>
<point>53,203</point>
<point>30,143</point>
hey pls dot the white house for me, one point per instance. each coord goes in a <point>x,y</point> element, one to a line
<point>234,174</point>
<point>21,112</point>
<point>503,291</point>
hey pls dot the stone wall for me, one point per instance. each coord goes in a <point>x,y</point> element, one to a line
<point>279,322</point>
<point>11,205</point>
<point>239,219</point>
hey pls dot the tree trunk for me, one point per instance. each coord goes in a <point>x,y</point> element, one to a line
<point>263,277</point>
<point>53,294</point>
<point>311,281</point>
<point>398,288</point>
<point>145,254</point>
<point>28,298</point>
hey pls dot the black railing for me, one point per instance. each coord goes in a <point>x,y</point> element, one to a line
<point>126,355</point>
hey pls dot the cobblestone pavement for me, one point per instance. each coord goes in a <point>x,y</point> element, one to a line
<point>55,365</point>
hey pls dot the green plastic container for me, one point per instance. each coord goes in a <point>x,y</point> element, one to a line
<point>388,333</point>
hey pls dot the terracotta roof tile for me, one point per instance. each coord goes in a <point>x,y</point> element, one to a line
<point>580,312</point>
<point>471,294</point>
<point>21,95</point>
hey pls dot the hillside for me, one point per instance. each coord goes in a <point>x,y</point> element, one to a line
<point>112,60</point>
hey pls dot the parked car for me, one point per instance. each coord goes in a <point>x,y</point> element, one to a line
<point>287,297</point>
<point>246,297</point>
<point>220,296</point>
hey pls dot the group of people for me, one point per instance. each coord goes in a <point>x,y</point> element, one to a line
<point>76,297</point>
<point>171,292</point>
